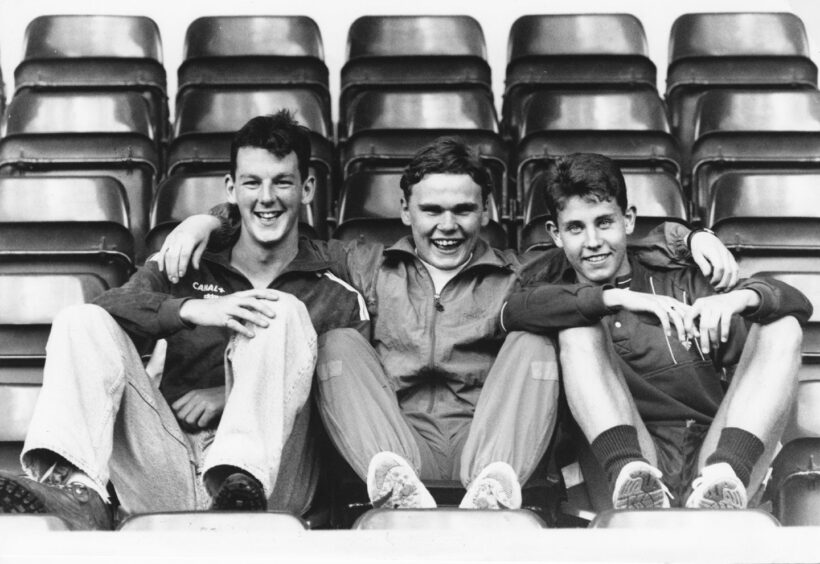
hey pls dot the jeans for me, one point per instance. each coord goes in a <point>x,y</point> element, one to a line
<point>100,410</point>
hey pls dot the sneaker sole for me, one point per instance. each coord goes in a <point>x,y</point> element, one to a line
<point>641,491</point>
<point>401,495</point>
<point>239,496</point>
<point>14,498</point>
<point>724,496</point>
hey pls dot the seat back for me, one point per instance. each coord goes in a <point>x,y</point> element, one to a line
<point>703,520</point>
<point>452,519</point>
<point>397,36</point>
<point>795,483</point>
<point>215,521</point>
<point>250,36</point>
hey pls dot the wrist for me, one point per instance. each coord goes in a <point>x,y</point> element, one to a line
<point>695,232</point>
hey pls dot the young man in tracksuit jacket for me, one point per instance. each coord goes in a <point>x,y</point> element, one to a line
<point>228,425</point>
<point>439,391</point>
<point>646,352</point>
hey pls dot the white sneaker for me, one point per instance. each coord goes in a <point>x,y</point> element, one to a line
<point>392,483</point>
<point>639,486</point>
<point>717,487</point>
<point>496,487</point>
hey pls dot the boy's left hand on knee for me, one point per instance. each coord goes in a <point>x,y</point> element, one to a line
<point>198,408</point>
<point>714,316</point>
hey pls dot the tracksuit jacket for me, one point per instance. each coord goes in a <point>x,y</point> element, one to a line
<point>670,381</point>
<point>147,307</point>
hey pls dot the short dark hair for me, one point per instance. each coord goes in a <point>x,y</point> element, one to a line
<point>278,133</point>
<point>586,175</point>
<point>446,155</point>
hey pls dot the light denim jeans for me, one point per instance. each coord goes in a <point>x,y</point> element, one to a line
<point>100,410</point>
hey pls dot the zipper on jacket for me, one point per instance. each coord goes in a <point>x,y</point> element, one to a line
<point>668,344</point>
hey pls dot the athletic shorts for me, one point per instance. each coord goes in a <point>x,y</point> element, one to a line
<point>678,445</point>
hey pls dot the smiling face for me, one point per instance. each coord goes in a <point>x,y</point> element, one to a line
<point>269,192</point>
<point>445,213</point>
<point>593,234</point>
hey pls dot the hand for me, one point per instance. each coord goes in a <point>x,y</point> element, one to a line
<point>232,311</point>
<point>198,408</point>
<point>715,261</point>
<point>185,243</point>
<point>668,310</point>
<point>714,314</point>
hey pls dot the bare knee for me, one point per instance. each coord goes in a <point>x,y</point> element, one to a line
<point>582,343</point>
<point>785,336</point>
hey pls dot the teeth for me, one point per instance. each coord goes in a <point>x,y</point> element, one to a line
<point>596,258</point>
<point>446,244</point>
<point>268,215</point>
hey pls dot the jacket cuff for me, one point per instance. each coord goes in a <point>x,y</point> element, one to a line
<point>169,318</point>
<point>591,302</point>
<point>769,302</point>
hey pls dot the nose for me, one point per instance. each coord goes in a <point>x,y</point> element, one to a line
<point>447,222</point>
<point>266,193</point>
<point>592,240</point>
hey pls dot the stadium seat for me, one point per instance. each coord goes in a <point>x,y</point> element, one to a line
<point>693,519</point>
<point>385,129</point>
<point>30,524</point>
<point>96,53</point>
<point>573,51</point>
<point>28,305</point>
<point>795,483</point>
<point>770,221</point>
<point>66,224</point>
<point>370,210</point>
<point>90,134</point>
<point>657,196</point>
<point>207,120</point>
<point>182,195</point>
<point>629,127</point>
<point>733,50</point>
<point>450,519</point>
<point>269,522</point>
<point>410,52</point>
<point>254,52</point>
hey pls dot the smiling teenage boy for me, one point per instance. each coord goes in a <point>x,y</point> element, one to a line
<point>644,353</point>
<point>231,405</point>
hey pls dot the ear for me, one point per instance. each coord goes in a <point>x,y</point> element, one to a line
<point>308,190</point>
<point>485,215</point>
<point>405,212</point>
<point>230,189</point>
<point>552,229</point>
<point>629,219</point>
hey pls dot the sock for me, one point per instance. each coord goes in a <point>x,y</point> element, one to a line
<point>615,448</point>
<point>739,449</point>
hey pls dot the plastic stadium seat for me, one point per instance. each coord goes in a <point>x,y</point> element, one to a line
<point>733,50</point>
<point>795,483</point>
<point>743,131</point>
<point>451,519</point>
<point>65,224</point>
<point>443,52</point>
<point>96,53</point>
<point>254,52</point>
<point>181,195</point>
<point>28,305</point>
<point>770,221</point>
<point>657,196</point>
<point>699,519</point>
<point>26,524</point>
<point>92,134</point>
<point>804,421</point>
<point>270,522</point>
<point>370,209</point>
<point>385,129</point>
<point>207,120</point>
<point>629,127</point>
<point>571,51</point>
<point>809,284</point>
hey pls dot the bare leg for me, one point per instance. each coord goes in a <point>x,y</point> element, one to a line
<point>595,387</point>
<point>762,391</point>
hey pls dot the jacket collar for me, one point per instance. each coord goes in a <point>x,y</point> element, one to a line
<point>483,254</point>
<point>307,259</point>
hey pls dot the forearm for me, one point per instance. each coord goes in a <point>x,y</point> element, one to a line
<point>226,232</point>
<point>550,307</point>
<point>664,247</point>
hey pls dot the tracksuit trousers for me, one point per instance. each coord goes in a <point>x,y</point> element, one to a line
<point>512,422</point>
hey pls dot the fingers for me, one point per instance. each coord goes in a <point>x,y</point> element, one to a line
<point>197,256</point>
<point>725,325</point>
<point>239,327</point>
<point>704,265</point>
<point>180,403</point>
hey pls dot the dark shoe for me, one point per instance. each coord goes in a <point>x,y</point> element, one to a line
<point>81,508</point>
<point>240,492</point>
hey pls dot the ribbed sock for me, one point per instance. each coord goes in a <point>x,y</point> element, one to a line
<point>615,448</point>
<point>739,449</point>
